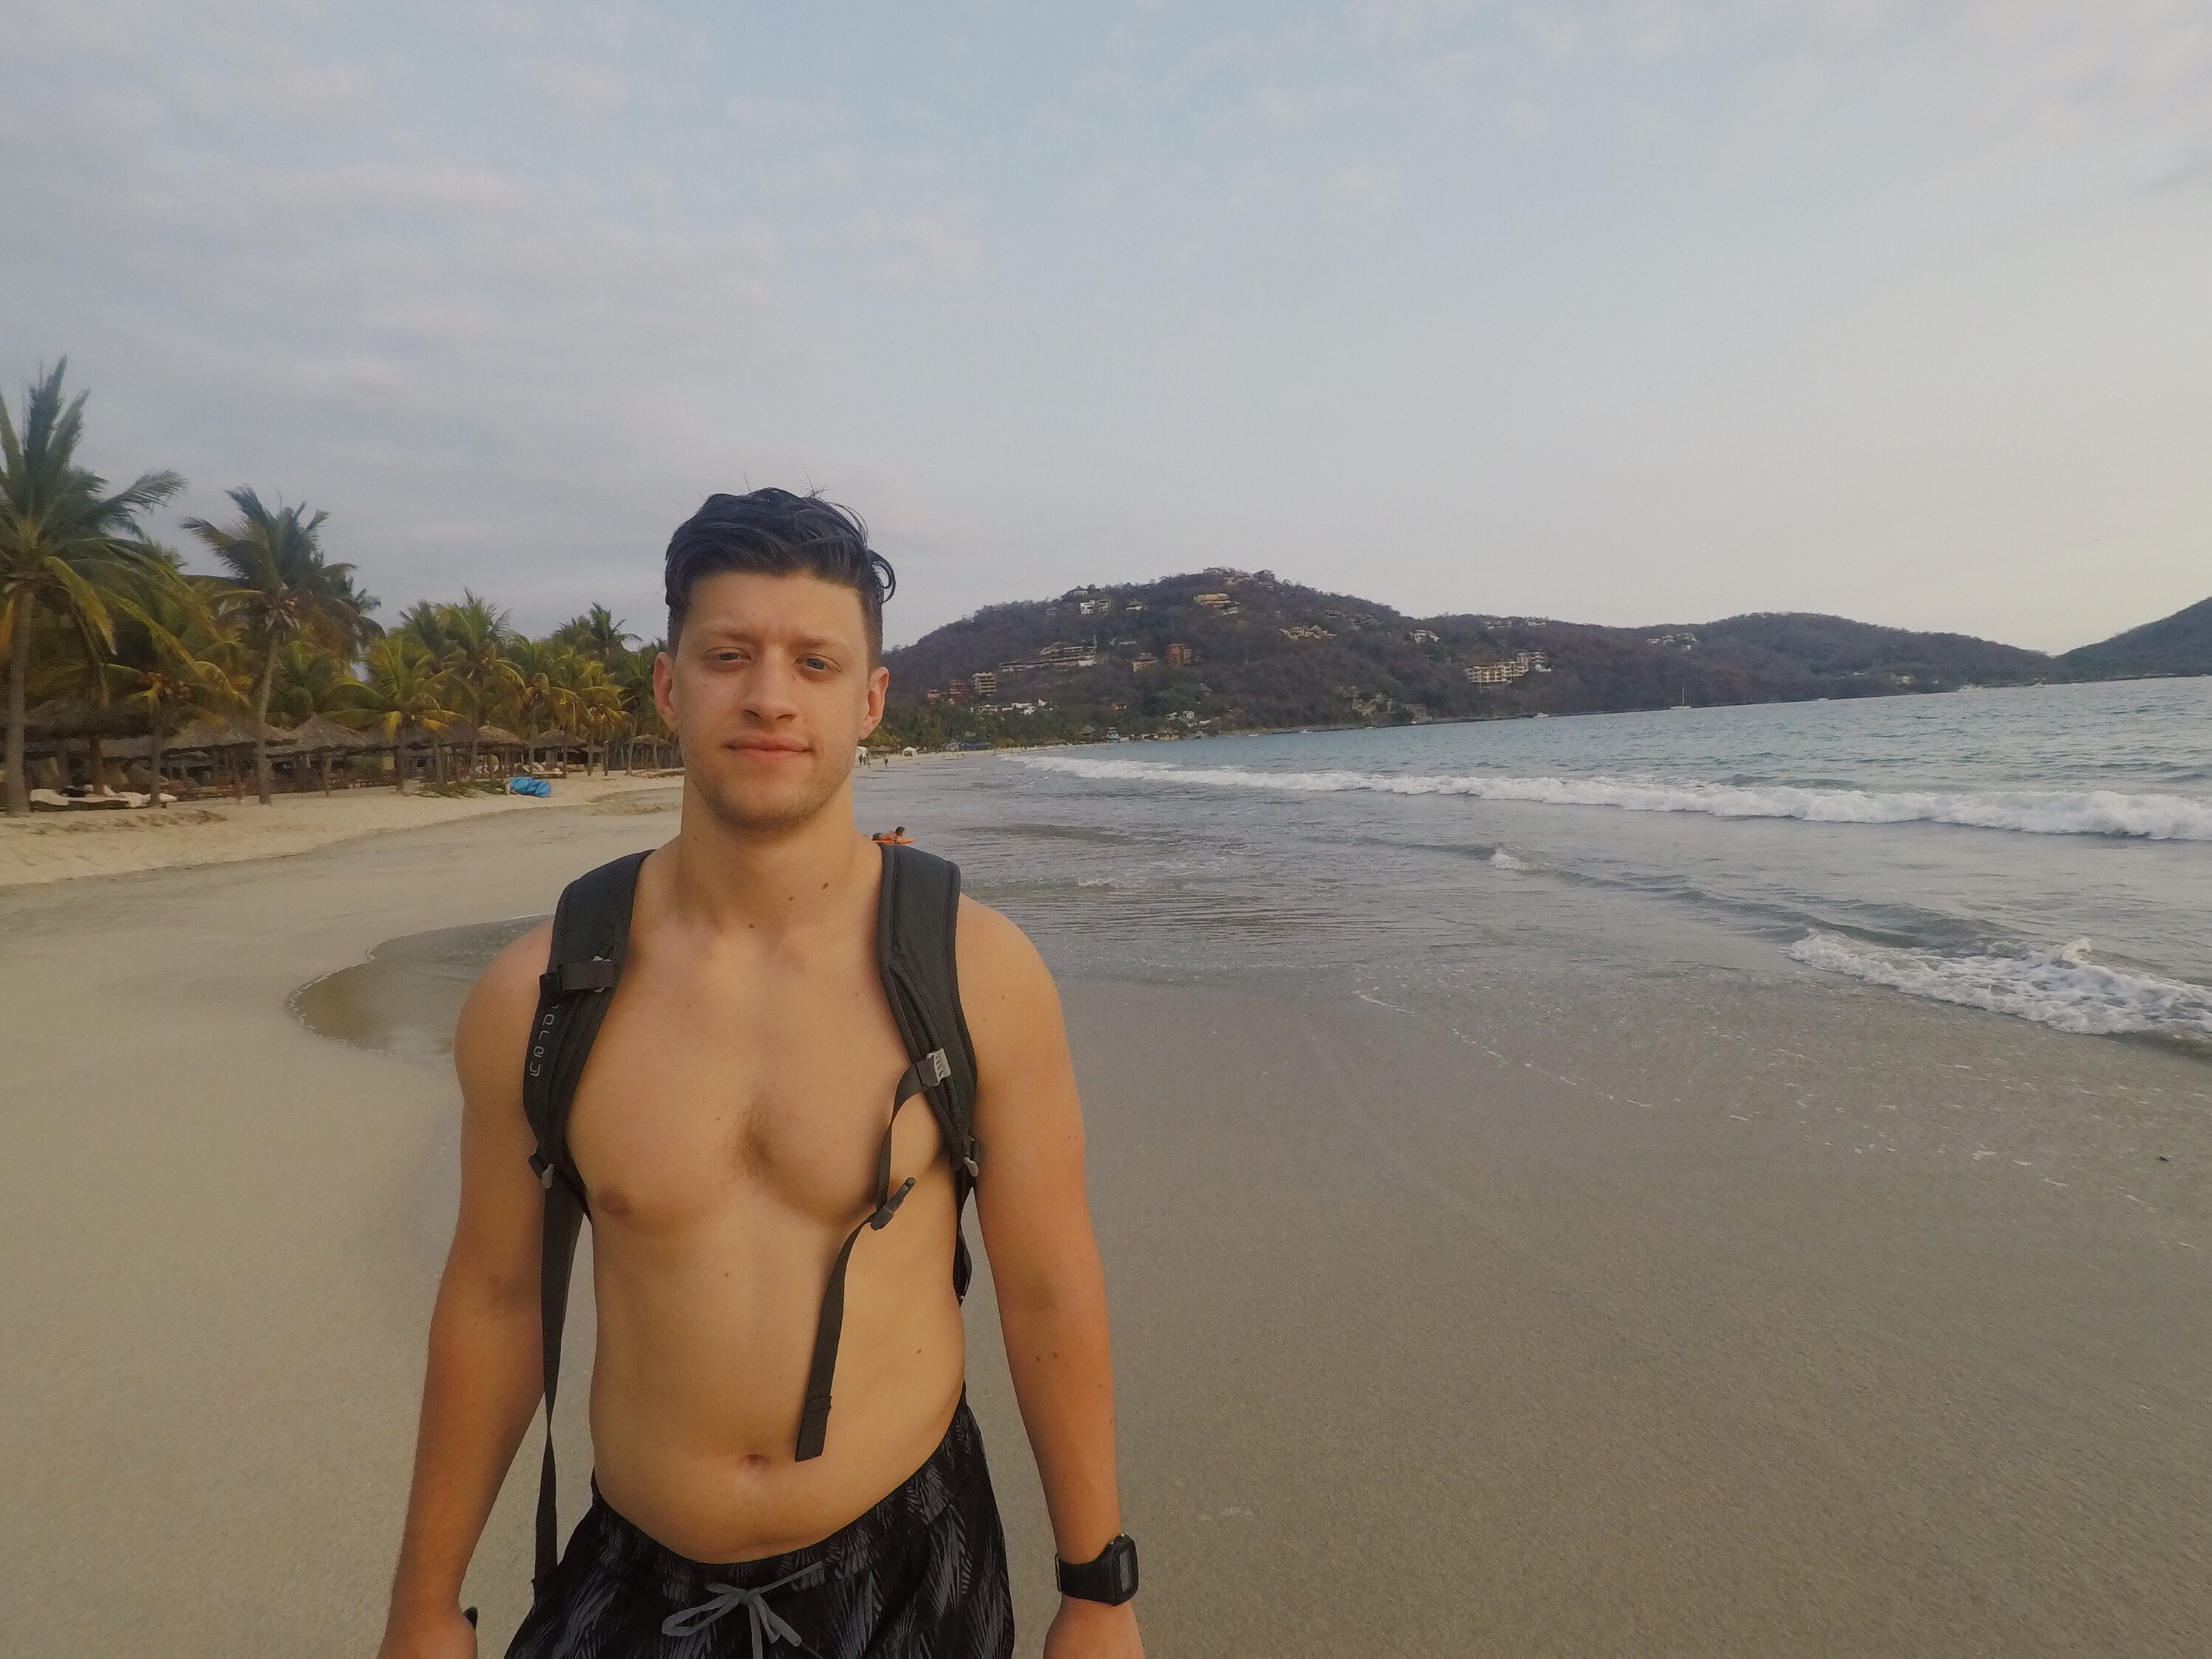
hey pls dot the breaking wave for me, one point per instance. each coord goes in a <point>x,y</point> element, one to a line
<point>2031,811</point>
<point>2061,988</point>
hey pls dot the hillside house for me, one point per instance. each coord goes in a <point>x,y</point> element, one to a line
<point>1505,672</point>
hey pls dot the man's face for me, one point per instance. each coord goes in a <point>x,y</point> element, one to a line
<point>770,692</point>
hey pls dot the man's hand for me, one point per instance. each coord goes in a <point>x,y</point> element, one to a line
<point>1091,1630</point>
<point>434,1633</point>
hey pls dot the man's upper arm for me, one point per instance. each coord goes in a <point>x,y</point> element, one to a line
<point>1029,1198</point>
<point>502,1207</point>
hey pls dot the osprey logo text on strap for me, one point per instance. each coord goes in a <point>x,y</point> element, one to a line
<point>916,915</point>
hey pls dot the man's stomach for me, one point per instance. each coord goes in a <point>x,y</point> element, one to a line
<point>700,1375</point>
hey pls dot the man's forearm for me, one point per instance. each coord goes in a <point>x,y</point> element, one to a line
<point>1056,1348</point>
<point>481,1385</point>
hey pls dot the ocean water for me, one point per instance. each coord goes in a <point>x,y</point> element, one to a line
<point>2042,853</point>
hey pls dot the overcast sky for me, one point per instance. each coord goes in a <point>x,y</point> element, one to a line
<point>1631,311</point>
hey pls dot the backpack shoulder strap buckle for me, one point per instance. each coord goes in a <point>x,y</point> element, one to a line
<point>593,974</point>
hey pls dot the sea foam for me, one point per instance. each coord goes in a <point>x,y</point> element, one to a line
<point>2062,989</point>
<point>2031,811</point>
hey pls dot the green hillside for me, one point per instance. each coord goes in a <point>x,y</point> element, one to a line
<point>2179,644</point>
<point>1227,650</point>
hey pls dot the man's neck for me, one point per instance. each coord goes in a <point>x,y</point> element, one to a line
<point>781,880</point>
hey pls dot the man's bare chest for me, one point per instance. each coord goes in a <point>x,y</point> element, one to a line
<point>706,1092</point>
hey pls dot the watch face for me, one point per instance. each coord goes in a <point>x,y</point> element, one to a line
<point>1123,1554</point>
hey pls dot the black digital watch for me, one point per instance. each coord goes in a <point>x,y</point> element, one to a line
<point>1111,1578</point>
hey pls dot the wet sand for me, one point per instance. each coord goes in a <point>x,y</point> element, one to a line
<point>1657,1322</point>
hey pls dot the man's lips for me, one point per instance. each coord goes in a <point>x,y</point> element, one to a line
<point>768,748</point>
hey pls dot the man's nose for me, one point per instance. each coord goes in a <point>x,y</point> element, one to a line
<point>770,691</point>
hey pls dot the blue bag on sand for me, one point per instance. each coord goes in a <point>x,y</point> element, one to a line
<point>537,787</point>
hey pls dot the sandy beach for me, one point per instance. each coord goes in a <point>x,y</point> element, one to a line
<point>1679,1322</point>
<point>58,846</point>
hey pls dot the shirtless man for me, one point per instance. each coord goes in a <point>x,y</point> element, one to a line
<point>727,1129</point>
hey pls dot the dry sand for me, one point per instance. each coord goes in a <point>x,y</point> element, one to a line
<point>1429,1343</point>
<point>56,845</point>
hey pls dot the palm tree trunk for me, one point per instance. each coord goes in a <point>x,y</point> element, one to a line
<point>399,758</point>
<point>154,738</point>
<point>95,754</point>
<point>261,724</point>
<point>19,667</point>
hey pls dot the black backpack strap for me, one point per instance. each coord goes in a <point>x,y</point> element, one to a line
<point>591,938</point>
<point>916,912</point>
<point>917,920</point>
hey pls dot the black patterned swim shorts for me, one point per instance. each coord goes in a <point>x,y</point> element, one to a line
<point>920,1575</point>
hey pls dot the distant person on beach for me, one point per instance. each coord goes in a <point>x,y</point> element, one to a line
<point>754,1189</point>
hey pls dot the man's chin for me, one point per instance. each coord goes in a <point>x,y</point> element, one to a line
<point>758,805</point>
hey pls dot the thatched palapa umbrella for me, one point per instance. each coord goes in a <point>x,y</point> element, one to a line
<point>322,736</point>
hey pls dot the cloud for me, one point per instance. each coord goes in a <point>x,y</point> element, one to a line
<point>906,248</point>
<point>1353,184</point>
<point>1558,34</point>
<point>577,87</point>
<point>1405,20</point>
<point>1284,107</point>
<point>1524,120</point>
<point>1444,77</point>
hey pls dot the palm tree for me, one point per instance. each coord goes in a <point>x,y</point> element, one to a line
<point>310,680</point>
<point>405,689</point>
<point>177,653</point>
<point>286,587</point>
<point>632,673</point>
<point>424,621</point>
<point>595,635</point>
<point>479,634</point>
<point>534,696</point>
<point>63,539</point>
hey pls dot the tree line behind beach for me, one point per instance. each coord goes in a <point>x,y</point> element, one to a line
<point>107,633</point>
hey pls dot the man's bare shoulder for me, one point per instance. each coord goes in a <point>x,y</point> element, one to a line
<point>1006,992</point>
<point>996,958</point>
<point>495,1022</point>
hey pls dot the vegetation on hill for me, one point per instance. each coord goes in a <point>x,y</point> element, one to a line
<point>1256,653</point>
<point>2179,644</point>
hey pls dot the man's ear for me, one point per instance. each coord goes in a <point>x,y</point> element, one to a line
<point>879,685</point>
<point>663,686</point>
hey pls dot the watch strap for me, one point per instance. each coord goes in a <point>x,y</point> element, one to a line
<point>1110,1577</point>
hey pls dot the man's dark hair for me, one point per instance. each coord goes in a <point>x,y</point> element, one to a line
<point>776,533</point>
